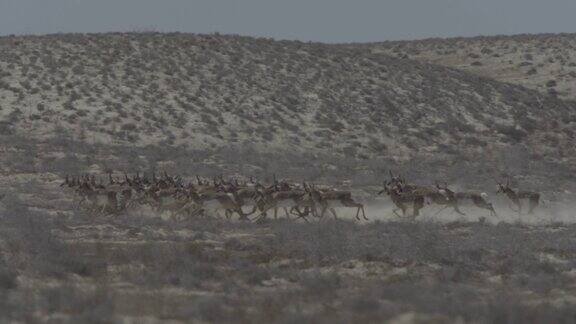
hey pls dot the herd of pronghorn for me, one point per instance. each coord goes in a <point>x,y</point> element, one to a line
<point>208,197</point>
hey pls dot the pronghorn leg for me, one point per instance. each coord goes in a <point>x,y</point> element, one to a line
<point>314,211</point>
<point>334,213</point>
<point>359,207</point>
<point>260,216</point>
<point>286,212</point>
<point>441,210</point>
<point>103,210</point>
<point>263,213</point>
<point>243,216</point>
<point>301,214</point>
<point>490,208</point>
<point>533,204</point>
<point>295,211</point>
<point>363,212</point>
<point>456,209</point>
<point>324,209</point>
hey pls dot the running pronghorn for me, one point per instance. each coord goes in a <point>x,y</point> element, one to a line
<point>517,196</point>
<point>432,195</point>
<point>216,201</point>
<point>329,199</point>
<point>403,200</point>
<point>477,199</point>
<point>286,198</point>
<point>100,198</point>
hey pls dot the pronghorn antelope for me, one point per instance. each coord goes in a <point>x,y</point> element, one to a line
<point>281,195</point>
<point>402,200</point>
<point>331,199</point>
<point>216,201</point>
<point>517,196</point>
<point>478,199</point>
<point>203,196</point>
<point>101,199</point>
<point>165,200</point>
<point>432,195</point>
<point>292,199</point>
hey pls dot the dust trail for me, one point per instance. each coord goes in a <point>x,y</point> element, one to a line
<point>551,212</point>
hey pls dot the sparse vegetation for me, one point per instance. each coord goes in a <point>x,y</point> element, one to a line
<point>528,54</point>
<point>217,271</point>
<point>179,89</point>
<point>216,104</point>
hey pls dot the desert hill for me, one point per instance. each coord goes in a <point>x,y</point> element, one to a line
<point>207,92</point>
<point>544,62</point>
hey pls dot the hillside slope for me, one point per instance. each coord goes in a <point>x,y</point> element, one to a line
<point>545,62</point>
<point>209,91</point>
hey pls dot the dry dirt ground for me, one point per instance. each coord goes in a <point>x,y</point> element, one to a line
<point>71,104</point>
<point>60,265</point>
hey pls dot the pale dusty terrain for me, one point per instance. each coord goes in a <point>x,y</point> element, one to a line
<point>545,62</point>
<point>214,91</point>
<point>326,114</point>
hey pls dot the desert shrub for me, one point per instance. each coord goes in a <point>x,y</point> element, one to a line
<point>129,127</point>
<point>6,128</point>
<point>8,278</point>
<point>512,133</point>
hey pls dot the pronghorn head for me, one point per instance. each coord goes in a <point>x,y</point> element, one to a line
<point>504,188</point>
<point>396,179</point>
<point>388,187</point>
